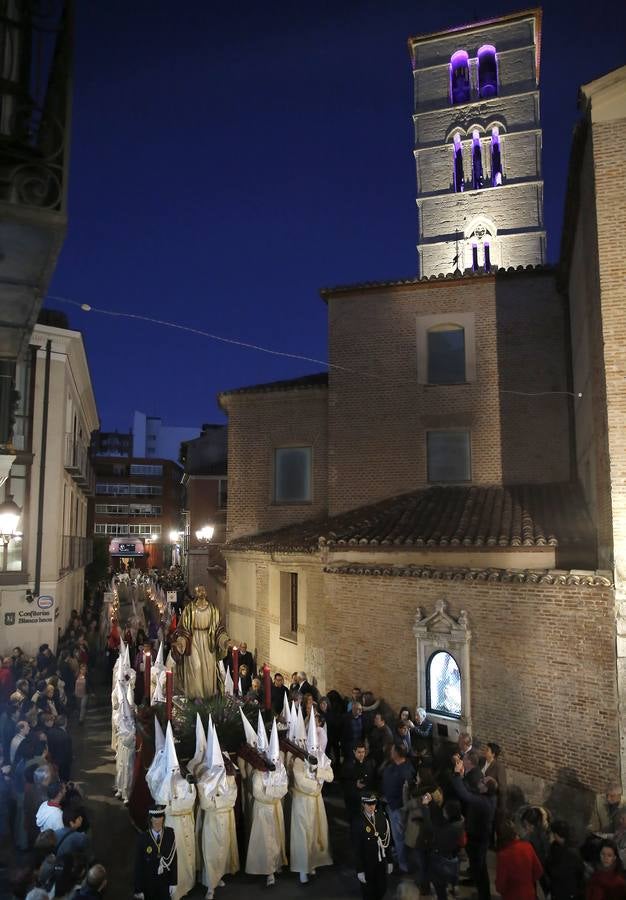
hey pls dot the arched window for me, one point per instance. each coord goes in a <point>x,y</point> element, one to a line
<point>477,162</point>
<point>443,685</point>
<point>481,245</point>
<point>459,77</point>
<point>496,157</point>
<point>446,354</point>
<point>487,72</point>
<point>457,172</point>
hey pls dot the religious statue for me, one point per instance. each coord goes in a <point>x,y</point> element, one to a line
<point>200,642</point>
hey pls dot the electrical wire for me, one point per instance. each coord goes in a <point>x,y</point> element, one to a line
<point>86,307</point>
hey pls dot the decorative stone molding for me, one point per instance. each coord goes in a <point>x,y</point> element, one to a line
<point>441,631</point>
<point>572,578</point>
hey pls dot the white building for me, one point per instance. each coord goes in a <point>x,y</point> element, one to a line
<point>43,568</point>
<point>152,438</point>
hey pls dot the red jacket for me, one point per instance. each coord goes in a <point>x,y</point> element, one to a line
<point>7,684</point>
<point>606,885</point>
<point>517,871</point>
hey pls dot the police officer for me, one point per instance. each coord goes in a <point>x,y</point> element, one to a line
<point>156,872</point>
<point>371,836</point>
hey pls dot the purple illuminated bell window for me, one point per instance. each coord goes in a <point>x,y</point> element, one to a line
<point>477,162</point>
<point>475,257</point>
<point>487,72</point>
<point>496,158</point>
<point>487,258</point>
<point>459,77</point>
<point>457,173</point>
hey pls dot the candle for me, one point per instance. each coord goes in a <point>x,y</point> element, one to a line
<point>236,668</point>
<point>147,666</point>
<point>267,686</point>
<point>169,693</point>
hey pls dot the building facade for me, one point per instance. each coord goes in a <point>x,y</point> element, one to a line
<point>419,521</point>
<point>136,499</point>
<point>205,479</point>
<point>44,566</point>
<point>151,438</point>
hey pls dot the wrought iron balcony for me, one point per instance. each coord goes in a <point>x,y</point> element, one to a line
<point>78,464</point>
<point>76,552</point>
<point>34,102</point>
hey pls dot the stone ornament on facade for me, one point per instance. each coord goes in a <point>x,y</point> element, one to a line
<point>434,633</point>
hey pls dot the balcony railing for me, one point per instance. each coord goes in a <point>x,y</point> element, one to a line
<point>76,553</point>
<point>78,464</point>
<point>35,44</point>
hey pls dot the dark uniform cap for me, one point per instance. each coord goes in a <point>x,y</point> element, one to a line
<point>369,797</point>
<point>157,811</point>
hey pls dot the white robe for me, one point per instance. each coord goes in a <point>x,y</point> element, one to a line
<point>219,836</point>
<point>266,847</point>
<point>125,762</point>
<point>179,815</point>
<point>309,847</point>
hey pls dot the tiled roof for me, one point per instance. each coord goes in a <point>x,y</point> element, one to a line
<point>449,276</point>
<point>454,517</point>
<point>318,379</point>
<point>571,577</point>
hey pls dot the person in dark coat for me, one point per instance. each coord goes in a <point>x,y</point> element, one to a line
<point>278,693</point>
<point>479,801</point>
<point>357,775</point>
<point>156,864</point>
<point>371,841</point>
<point>564,867</point>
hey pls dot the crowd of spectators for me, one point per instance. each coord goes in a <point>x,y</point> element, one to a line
<point>44,825</point>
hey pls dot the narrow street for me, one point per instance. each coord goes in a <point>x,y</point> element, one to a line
<point>114,835</point>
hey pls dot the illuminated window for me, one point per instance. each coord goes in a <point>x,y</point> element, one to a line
<point>496,157</point>
<point>477,162</point>
<point>457,172</point>
<point>459,77</point>
<point>292,475</point>
<point>487,72</point>
<point>446,354</point>
<point>443,685</point>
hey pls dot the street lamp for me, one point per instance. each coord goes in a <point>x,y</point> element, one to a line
<point>205,534</point>
<point>9,517</point>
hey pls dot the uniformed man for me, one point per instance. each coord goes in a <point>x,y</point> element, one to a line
<point>371,836</point>
<point>156,872</point>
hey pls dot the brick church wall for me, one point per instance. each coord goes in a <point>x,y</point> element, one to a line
<point>379,414</point>
<point>258,423</point>
<point>542,663</point>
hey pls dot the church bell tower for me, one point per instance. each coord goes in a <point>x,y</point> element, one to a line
<point>478,145</point>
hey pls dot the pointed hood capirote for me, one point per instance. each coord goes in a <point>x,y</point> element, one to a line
<point>261,735</point>
<point>171,757</point>
<point>207,759</point>
<point>198,756</point>
<point>279,777</point>
<point>300,729</point>
<point>159,737</point>
<point>286,710</point>
<point>251,738</point>
<point>312,743</point>
<point>229,687</point>
<point>214,776</point>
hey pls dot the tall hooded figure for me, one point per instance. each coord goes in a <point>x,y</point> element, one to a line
<point>217,793</point>
<point>266,847</point>
<point>309,847</point>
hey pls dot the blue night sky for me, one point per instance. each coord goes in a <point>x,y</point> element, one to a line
<point>230,159</point>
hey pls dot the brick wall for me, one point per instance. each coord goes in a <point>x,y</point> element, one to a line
<point>379,415</point>
<point>542,663</point>
<point>258,423</point>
